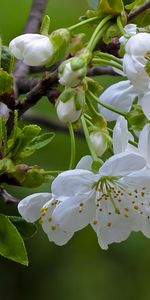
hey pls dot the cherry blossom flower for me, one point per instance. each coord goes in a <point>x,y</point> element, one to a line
<point>40,206</point>
<point>33,49</point>
<point>136,61</point>
<point>103,199</point>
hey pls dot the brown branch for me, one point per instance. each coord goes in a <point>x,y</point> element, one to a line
<point>37,93</point>
<point>138,11</point>
<point>48,123</point>
<point>26,84</point>
<point>95,71</point>
<point>6,197</point>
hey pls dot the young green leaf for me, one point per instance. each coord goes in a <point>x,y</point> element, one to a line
<point>11,242</point>
<point>6,82</point>
<point>37,143</point>
<point>109,7</point>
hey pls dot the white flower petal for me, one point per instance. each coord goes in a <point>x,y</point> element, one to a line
<point>85,163</point>
<point>140,178</point>
<point>122,164</point>
<point>144,144</point>
<point>54,232</point>
<point>29,207</point>
<point>119,95</point>
<point>67,112</point>
<point>138,44</point>
<point>76,212</point>
<point>73,182</point>
<point>120,135</point>
<point>145,103</point>
<point>33,49</point>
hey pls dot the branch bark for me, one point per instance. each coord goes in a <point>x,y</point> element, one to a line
<point>138,11</point>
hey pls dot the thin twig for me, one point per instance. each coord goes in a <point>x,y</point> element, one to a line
<point>48,123</point>
<point>138,11</point>
<point>6,197</point>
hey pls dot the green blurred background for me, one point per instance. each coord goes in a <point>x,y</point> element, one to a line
<point>79,270</point>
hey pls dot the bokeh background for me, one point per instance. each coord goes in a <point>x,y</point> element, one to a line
<point>79,270</point>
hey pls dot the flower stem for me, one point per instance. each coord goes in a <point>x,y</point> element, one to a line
<point>86,132</point>
<point>115,110</point>
<point>97,33</point>
<point>120,26</point>
<point>109,57</point>
<point>73,146</point>
<point>83,23</point>
<point>100,61</point>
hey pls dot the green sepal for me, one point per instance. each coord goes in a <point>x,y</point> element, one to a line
<point>112,31</point>
<point>6,82</point>
<point>109,7</point>
<point>34,177</point>
<point>76,43</point>
<point>26,229</point>
<point>93,86</point>
<point>7,60</point>
<point>45,25</point>
<point>96,164</point>
<point>79,99</point>
<point>77,63</point>
<point>60,39</point>
<point>136,118</point>
<point>11,243</point>
<point>66,95</point>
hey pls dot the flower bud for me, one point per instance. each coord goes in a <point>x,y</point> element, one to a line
<point>33,49</point>
<point>72,71</point>
<point>70,104</point>
<point>38,49</point>
<point>4,111</point>
<point>99,142</point>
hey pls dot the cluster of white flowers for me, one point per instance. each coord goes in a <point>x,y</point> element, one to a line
<point>136,68</point>
<point>114,200</point>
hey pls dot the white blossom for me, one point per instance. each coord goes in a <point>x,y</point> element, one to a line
<point>4,111</point>
<point>102,199</point>
<point>40,206</point>
<point>130,29</point>
<point>33,49</point>
<point>72,71</point>
<point>120,96</point>
<point>136,61</point>
<point>99,142</point>
<point>67,112</point>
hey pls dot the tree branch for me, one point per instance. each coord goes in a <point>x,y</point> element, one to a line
<point>138,11</point>
<point>6,197</point>
<point>48,123</point>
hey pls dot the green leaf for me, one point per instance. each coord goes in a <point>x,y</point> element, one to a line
<point>6,59</point>
<point>6,82</point>
<point>3,133</point>
<point>11,242</point>
<point>26,230</point>
<point>109,7</point>
<point>6,165</point>
<point>37,143</point>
